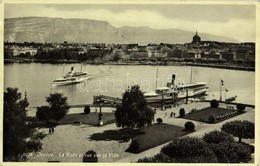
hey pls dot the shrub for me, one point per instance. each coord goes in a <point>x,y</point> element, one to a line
<point>211,119</point>
<point>158,158</point>
<point>43,113</point>
<point>189,150</point>
<point>182,112</point>
<point>159,120</point>
<point>90,156</point>
<point>240,129</point>
<point>214,103</point>
<point>217,137</point>
<point>189,126</point>
<point>231,152</point>
<point>241,107</point>
<point>86,110</point>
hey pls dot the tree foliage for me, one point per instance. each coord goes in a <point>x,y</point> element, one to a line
<point>241,129</point>
<point>133,112</point>
<point>158,158</point>
<point>86,110</point>
<point>159,120</point>
<point>189,126</point>
<point>231,152</point>
<point>182,112</point>
<point>189,150</point>
<point>43,113</point>
<point>214,103</point>
<point>90,156</point>
<point>58,106</point>
<point>241,107</point>
<point>18,137</point>
<point>217,137</point>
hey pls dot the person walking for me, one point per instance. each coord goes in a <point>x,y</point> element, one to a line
<point>52,129</point>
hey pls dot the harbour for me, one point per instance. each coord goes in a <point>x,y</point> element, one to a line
<point>113,80</point>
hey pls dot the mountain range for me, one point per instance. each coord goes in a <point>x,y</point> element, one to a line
<point>41,29</point>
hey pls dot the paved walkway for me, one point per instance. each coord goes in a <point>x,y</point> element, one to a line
<point>201,129</point>
<point>74,141</point>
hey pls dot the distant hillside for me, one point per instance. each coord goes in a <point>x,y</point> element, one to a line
<point>41,29</point>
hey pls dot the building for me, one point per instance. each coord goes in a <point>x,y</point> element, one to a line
<point>196,39</point>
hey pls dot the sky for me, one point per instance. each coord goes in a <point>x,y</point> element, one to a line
<point>236,21</point>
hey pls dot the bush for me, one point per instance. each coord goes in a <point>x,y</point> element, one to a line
<point>159,120</point>
<point>43,113</point>
<point>86,110</point>
<point>189,150</point>
<point>182,112</point>
<point>90,156</point>
<point>159,158</point>
<point>214,103</point>
<point>211,119</point>
<point>231,152</point>
<point>240,129</point>
<point>241,107</point>
<point>189,126</point>
<point>216,137</point>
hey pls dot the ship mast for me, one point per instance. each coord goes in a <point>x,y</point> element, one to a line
<point>191,75</point>
<point>156,78</point>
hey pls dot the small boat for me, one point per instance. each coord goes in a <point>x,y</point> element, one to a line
<point>71,78</point>
<point>231,99</point>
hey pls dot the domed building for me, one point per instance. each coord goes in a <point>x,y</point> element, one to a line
<point>196,39</point>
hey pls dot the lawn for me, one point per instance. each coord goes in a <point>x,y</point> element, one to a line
<point>155,135</point>
<point>90,119</point>
<point>203,114</point>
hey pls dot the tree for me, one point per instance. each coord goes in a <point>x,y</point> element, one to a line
<point>189,150</point>
<point>231,152</point>
<point>189,126</point>
<point>116,57</point>
<point>240,129</point>
<point>133,112</point>
<point>158,158</point>
<point>58,106</point>
<point>86,110</point>
<point>241,107</point>
<point>217,137</point>
<point>43,113</point>
<point>214,103</point>
<point>19,137</point>
<point>159,120</point>
<point>90,156</point>
<point>182,112</point>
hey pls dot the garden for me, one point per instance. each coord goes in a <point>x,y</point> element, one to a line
<point>214,113</point>
<point>214,147</point>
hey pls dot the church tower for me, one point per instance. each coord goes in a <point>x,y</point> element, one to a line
<point>196,39</point>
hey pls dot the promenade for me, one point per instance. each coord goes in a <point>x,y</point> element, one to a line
<point>69,142</point>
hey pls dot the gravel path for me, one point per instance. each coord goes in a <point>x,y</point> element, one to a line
<point>69,142</point>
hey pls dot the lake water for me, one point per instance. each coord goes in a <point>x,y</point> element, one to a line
<point>113,80</point>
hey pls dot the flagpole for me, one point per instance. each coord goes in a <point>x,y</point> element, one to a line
<point>220,91</point>
<point>225,94</point>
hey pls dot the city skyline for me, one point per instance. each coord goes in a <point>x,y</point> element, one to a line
<point>236,21</point>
